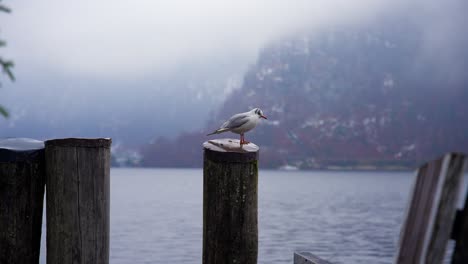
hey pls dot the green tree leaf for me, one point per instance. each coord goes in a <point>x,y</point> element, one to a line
<point>4,112</point>
<point>4,8</point>
<point>6,65</point>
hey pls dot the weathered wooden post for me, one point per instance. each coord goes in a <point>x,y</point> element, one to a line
<point>21,199</point>
<point>78,200</point>
<point>230,180</point>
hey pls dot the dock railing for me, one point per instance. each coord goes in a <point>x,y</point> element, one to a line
<point>431,212</point>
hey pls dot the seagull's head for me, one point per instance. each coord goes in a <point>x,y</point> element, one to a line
<point>258,112</point>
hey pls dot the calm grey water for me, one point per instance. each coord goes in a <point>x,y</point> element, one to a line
<point>345,217</point>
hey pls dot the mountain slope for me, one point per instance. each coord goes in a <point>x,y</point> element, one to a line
<point>353,97</point>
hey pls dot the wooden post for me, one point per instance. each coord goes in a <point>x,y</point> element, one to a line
<point>21,199</point>
<point>230,180</point>
<point>78,200</point>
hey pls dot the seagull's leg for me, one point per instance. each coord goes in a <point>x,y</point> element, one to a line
<point>246,142</point>
<point>241,139</point>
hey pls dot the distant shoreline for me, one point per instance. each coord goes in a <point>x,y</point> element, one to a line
<point>366,168</point>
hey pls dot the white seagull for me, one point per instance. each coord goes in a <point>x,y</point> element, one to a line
<point>241,123</point>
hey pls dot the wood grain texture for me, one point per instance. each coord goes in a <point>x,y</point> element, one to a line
<point>431,211</point>
<point>230,208</point>
<point>446,210</point>
<point>22,180</point>
<point>78,200</point>
<point>418,211</point>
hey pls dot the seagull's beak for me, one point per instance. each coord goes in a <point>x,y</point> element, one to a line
<point>264,117</point>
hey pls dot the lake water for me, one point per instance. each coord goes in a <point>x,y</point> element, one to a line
<point>344,217</point>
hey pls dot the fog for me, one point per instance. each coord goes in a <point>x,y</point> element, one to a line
<point>130,39</point>
<point>155,68</point>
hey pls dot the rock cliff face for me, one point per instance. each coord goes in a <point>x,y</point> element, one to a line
<point>355,97</point>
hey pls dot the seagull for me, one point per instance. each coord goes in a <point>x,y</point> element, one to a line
<point>241,123</point>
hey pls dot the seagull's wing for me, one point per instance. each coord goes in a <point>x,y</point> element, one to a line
<point>236,121</point>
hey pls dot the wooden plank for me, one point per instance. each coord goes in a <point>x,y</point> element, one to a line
<point>22,182</point>
<point>308,258</point>
<point>78,204</point>
<point>431,211</point>
<point>446,211</point>
<point>417,212</point>
<point>230,203</point>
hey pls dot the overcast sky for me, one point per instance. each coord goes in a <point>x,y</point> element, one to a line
<point>130,39</point>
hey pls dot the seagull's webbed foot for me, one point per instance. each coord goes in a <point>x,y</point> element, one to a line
<point>243,141</point>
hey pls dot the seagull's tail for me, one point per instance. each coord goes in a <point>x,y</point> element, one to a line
<point>221,130</point>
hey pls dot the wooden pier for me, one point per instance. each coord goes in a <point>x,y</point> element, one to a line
<point>76,173</point>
